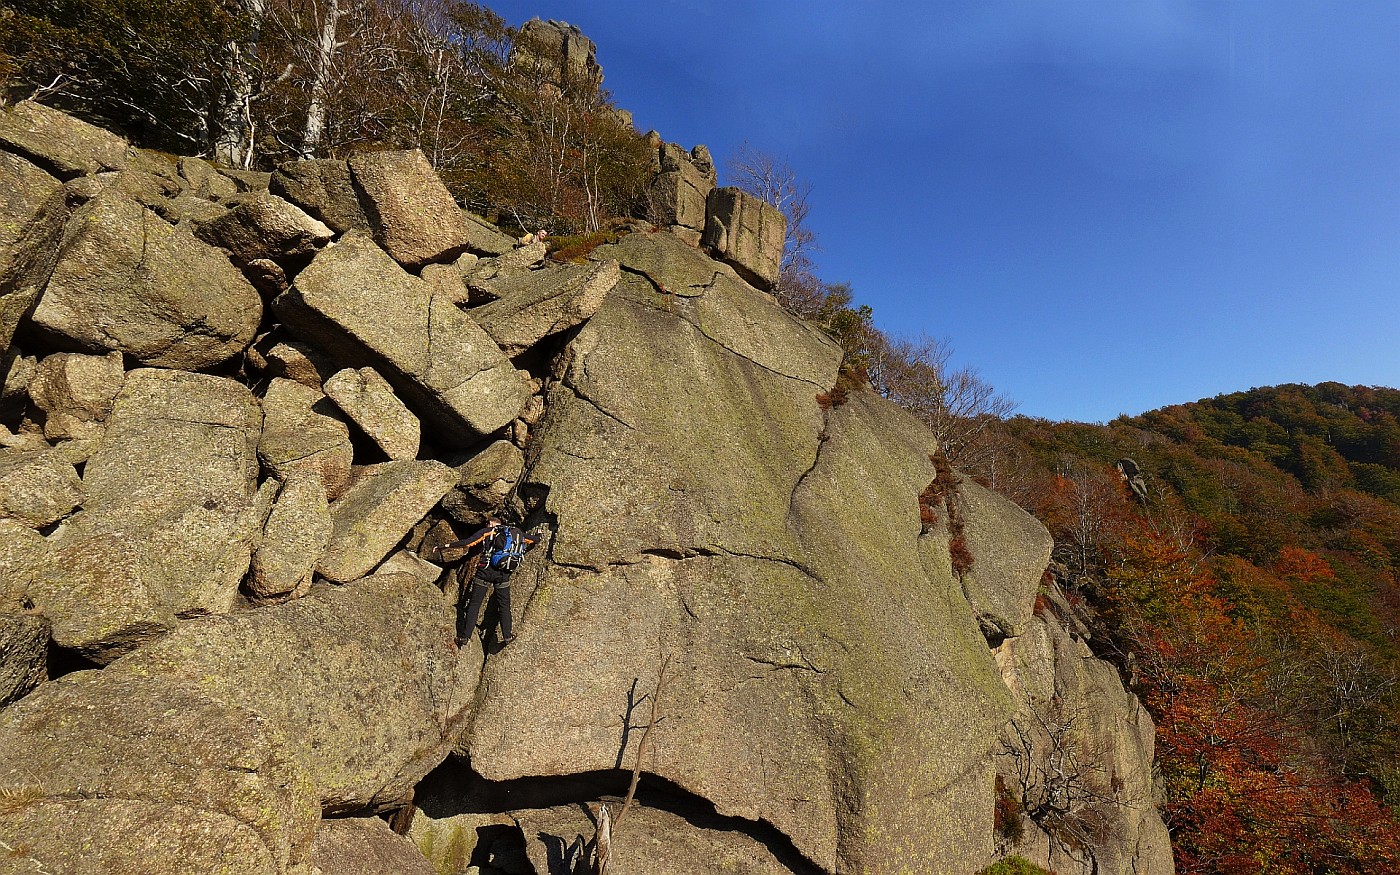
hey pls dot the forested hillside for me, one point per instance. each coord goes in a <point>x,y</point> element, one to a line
<point>1252,595</point>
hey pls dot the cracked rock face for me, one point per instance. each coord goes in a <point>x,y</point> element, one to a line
<point>827,675</point>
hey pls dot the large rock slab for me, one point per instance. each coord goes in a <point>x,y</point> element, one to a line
<point>826,674</point>
<point>294,537</point>
<point>747,233</point>
<point>300,437</point>
<point>374,515</point>
<point>354,302</point>
<point>414,216</point>
<point>265,226</point>
<point>76,393</point>
<point>367,846</point>
<point>128,281</point>
<point>32,216</point>
<point>59,142</point>
<point>535,305</point>
<point>1010,552</point>
<point>210,734</point>
<point>168,524</point>
<point>323,189</point>
<point>37,487</point>
<point>369,400</point>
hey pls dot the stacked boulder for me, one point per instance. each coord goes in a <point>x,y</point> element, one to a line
<point>228,398</point>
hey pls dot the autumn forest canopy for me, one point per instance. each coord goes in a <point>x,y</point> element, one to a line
<point>1239,556</point>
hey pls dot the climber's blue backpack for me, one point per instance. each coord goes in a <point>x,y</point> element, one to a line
<point>507,549</point>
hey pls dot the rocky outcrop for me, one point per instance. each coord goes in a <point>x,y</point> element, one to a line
<point>747,233</point>
<point>75,393</point>
<point>293,540</point>
<point>723,537</point>
<point>60,143</point>
<point>679,191</point>
<point>299,436</point>
<point>366,846</point>
<point>323,189</point>
<point>378,511</point>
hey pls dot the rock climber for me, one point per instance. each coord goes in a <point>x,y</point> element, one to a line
<point>502,548</point>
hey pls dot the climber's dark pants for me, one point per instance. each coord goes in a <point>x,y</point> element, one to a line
<point>481,585</point>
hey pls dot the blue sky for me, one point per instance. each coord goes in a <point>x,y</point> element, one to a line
<point>1106,205</point>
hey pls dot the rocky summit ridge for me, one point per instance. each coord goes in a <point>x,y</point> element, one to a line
<point>244,410</point>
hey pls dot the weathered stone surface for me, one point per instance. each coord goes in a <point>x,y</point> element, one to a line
<point>537,304</point>
<point>204,180</point>
<point>294,537</point>
<point>24,652</point>
<point>126,280</point>
<point>60,143</point>
<point>408,562</point>
<point>26,187</point>
<point>32,216</point>
<point>366,846</point>
<point>23,552</point>
<point>484,481</point>
<point>747,233</point>
<point>833,681</point>
<point>265,227</point>
<point>376,512</point>
<point>167,526</point>
<point>369,400</point>
<point>76,392</point>
<point>37,487</point>
<point>323,189</point>
<point>1010,552</point>
<point>208,734</point>
<point>299,437</point>
<point>354,302</point>
<point>655,843</point>
<point>413,215</point>
<point>485,238</point>
<point>1062,690</point>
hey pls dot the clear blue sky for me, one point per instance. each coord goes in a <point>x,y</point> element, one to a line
<point>1107,205</point>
